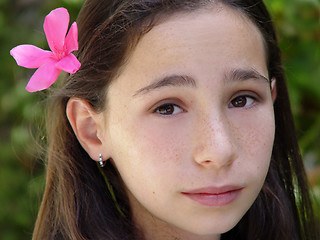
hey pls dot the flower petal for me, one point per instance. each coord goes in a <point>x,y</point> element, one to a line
<point>44,77</point>
<point>30,56</point>
<point>56,26</point>
<point>69,64</point>
<point>71,42</point>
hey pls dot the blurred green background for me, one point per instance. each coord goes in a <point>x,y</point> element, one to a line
<point>21,167</point>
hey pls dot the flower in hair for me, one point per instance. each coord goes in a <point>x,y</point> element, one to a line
<point>50,63</point>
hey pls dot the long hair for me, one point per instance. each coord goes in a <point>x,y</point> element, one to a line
<point>84,202</point>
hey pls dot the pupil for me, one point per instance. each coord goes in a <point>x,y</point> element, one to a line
<point>166,109</point>
<point>239,102</point>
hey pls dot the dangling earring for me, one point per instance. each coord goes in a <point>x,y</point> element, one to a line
<point>101,162</point>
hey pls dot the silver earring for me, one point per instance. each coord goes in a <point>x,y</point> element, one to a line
<point>101,162</point>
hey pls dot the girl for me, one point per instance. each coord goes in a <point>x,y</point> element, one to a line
<point>184,106</point>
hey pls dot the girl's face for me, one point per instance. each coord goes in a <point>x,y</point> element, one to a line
<point>190,125</point>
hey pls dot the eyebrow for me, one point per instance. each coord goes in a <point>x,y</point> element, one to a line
<point>244,74</point>
<point>187,81</point>
<point>172,80</point>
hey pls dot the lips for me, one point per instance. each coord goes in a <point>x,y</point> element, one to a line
<point>214,196</point>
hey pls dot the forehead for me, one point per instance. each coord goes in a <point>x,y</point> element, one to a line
<point>197,39</point>
<point>201,26</point>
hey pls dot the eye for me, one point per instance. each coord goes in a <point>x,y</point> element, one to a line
<point>168,109</point>
<point>242,102</point>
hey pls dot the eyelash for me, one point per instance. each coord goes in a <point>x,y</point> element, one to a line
<point>164,108</point>
<point>245,98</point>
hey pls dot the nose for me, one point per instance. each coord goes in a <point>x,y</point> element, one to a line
<point>215,145</point>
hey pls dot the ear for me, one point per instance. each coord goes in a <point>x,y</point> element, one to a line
<point>273,89</point>
<point>87,126</point>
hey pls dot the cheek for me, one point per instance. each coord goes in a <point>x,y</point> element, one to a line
<point>157,140</point>
<point>255,130</point>
<point>142,150</point>
<point>145,156</point>
<point>255,138</point>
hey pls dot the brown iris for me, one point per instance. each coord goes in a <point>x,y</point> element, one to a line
<point>166,109</point>
<point>239,102</point>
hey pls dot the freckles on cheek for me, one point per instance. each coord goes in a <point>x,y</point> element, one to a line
<point>255,148</point>
<point>160,140</point>
<point>159,147</point>
<point>255,144</point>
<point>255,136</point>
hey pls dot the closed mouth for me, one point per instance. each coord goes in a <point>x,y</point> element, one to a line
<point>214,196</point>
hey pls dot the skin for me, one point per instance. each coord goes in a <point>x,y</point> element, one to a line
<point>200,137</point>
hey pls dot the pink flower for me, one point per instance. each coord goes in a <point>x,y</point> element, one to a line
<point>50,64</point>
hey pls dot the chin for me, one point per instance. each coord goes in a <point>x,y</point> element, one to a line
<point>211,228</point>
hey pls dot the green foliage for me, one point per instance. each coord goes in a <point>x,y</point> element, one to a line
<point>298,25</point>
<point>21,168</point>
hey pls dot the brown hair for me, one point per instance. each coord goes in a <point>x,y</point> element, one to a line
<point>77,203</point>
